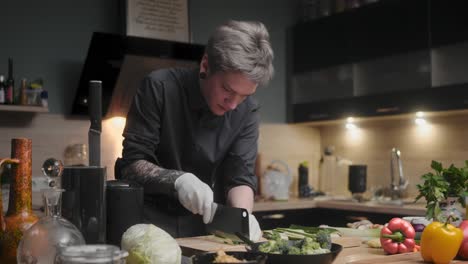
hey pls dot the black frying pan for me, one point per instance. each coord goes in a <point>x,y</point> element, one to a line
<point>324,258</point>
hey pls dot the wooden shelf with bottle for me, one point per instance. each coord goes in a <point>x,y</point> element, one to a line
<point>24,108</point>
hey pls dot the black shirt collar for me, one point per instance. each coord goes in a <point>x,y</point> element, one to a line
<point>195,96</point>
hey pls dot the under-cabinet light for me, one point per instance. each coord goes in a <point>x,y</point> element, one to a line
<point>420,121</point>
<point>350,123</point>
<point>351,126</point>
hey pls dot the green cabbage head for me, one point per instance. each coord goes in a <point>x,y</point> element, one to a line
<point>148,244</point>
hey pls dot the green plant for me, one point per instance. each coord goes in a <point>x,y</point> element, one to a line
<point>444,183</point>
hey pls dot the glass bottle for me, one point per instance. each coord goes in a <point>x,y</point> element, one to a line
<point>2,89</point>
<point>42,241</point>
<point>10,84</point>
<point>19,216</point>
<point>53,169</point>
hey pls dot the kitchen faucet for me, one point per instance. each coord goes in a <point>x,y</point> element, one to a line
<point>398,184</point>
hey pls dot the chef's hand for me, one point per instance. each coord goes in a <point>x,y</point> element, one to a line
<point>194,195</point>
<point>255,233</point>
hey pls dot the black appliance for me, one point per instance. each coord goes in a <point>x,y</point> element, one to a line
<point>357,178</point>
<point>124,208</point>
<point>83,201</point>
<point>304,188</point>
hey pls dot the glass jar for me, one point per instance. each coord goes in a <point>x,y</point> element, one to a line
<point>450,207</point>
<point>76,155</point>
<point>103,254</point>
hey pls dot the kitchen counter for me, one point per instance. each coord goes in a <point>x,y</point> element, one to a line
<point>414,209</point>
<point>351,254</point>
<point>366,255</point>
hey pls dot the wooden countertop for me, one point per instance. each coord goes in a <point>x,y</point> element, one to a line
<point>365,255</point>
<point>417,209</point>
<point>352,253</point>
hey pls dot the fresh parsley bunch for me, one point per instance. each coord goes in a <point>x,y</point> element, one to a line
<point>444,183</point>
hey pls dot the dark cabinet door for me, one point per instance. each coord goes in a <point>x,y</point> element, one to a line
<point>321,43</point>
<point>449,22</point>
<point>375,30</point>
<point>390,27</point>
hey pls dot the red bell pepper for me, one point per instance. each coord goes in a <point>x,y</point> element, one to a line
<point>397,236</point>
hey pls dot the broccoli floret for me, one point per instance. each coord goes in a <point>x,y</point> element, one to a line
<point>292,250</point>
<point>309,245</point>
<point>283,246</point>
<point>272,235</point>
<point>324,239</point>
<point>268,247</point>
<point>316,244</point>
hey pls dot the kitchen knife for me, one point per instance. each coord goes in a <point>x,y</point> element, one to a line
<point>226,221</point>
<point>95,115</point>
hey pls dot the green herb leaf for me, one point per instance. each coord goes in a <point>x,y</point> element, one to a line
<point>437,166</point>
<point>446,182</point>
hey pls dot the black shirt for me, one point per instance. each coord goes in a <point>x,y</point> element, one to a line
<point>170,125</point>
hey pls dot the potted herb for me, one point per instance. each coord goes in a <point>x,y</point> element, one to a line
<point>442,189</point>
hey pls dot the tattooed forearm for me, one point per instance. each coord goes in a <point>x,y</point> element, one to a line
<point>156,180</point>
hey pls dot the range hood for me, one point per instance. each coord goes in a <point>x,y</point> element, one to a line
<point>121,62</point>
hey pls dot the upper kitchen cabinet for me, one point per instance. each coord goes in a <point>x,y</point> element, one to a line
<point>449,22</point>
<point>384,58</point>
<point>322,42</point>
<point>374,30</point>
<point>389,27</point>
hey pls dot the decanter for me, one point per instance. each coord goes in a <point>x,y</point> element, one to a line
<point>41,242</point>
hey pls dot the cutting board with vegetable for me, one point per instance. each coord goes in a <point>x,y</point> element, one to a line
<point>206,244</point>
<point>211,243</point>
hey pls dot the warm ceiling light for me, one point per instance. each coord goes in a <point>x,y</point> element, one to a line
<point>350,120</point>
<point>419,114</point>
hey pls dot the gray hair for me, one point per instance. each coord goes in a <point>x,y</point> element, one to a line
<point>242,46</point>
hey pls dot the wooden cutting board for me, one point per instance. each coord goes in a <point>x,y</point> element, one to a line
<point>194,245</point>
<point>205,244</point>
<point>398,258</point>
<point>406,258</point>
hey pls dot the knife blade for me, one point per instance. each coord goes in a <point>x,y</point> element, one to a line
<point>227,220</point>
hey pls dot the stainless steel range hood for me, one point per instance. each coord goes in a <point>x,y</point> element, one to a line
<point>121,62</point>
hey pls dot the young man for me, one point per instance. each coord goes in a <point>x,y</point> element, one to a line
<point>191,135</point>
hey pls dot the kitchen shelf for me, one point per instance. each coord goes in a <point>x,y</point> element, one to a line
<point>24,108</point>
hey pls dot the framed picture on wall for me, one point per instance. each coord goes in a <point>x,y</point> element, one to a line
<point>159,19</point>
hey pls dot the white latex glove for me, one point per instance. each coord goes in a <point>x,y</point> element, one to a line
<point>194,195</point>
<point>255,233</point>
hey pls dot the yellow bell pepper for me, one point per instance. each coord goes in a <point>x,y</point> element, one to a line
<point>440,242</point>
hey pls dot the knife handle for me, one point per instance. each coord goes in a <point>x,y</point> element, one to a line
<point>95,108</point>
